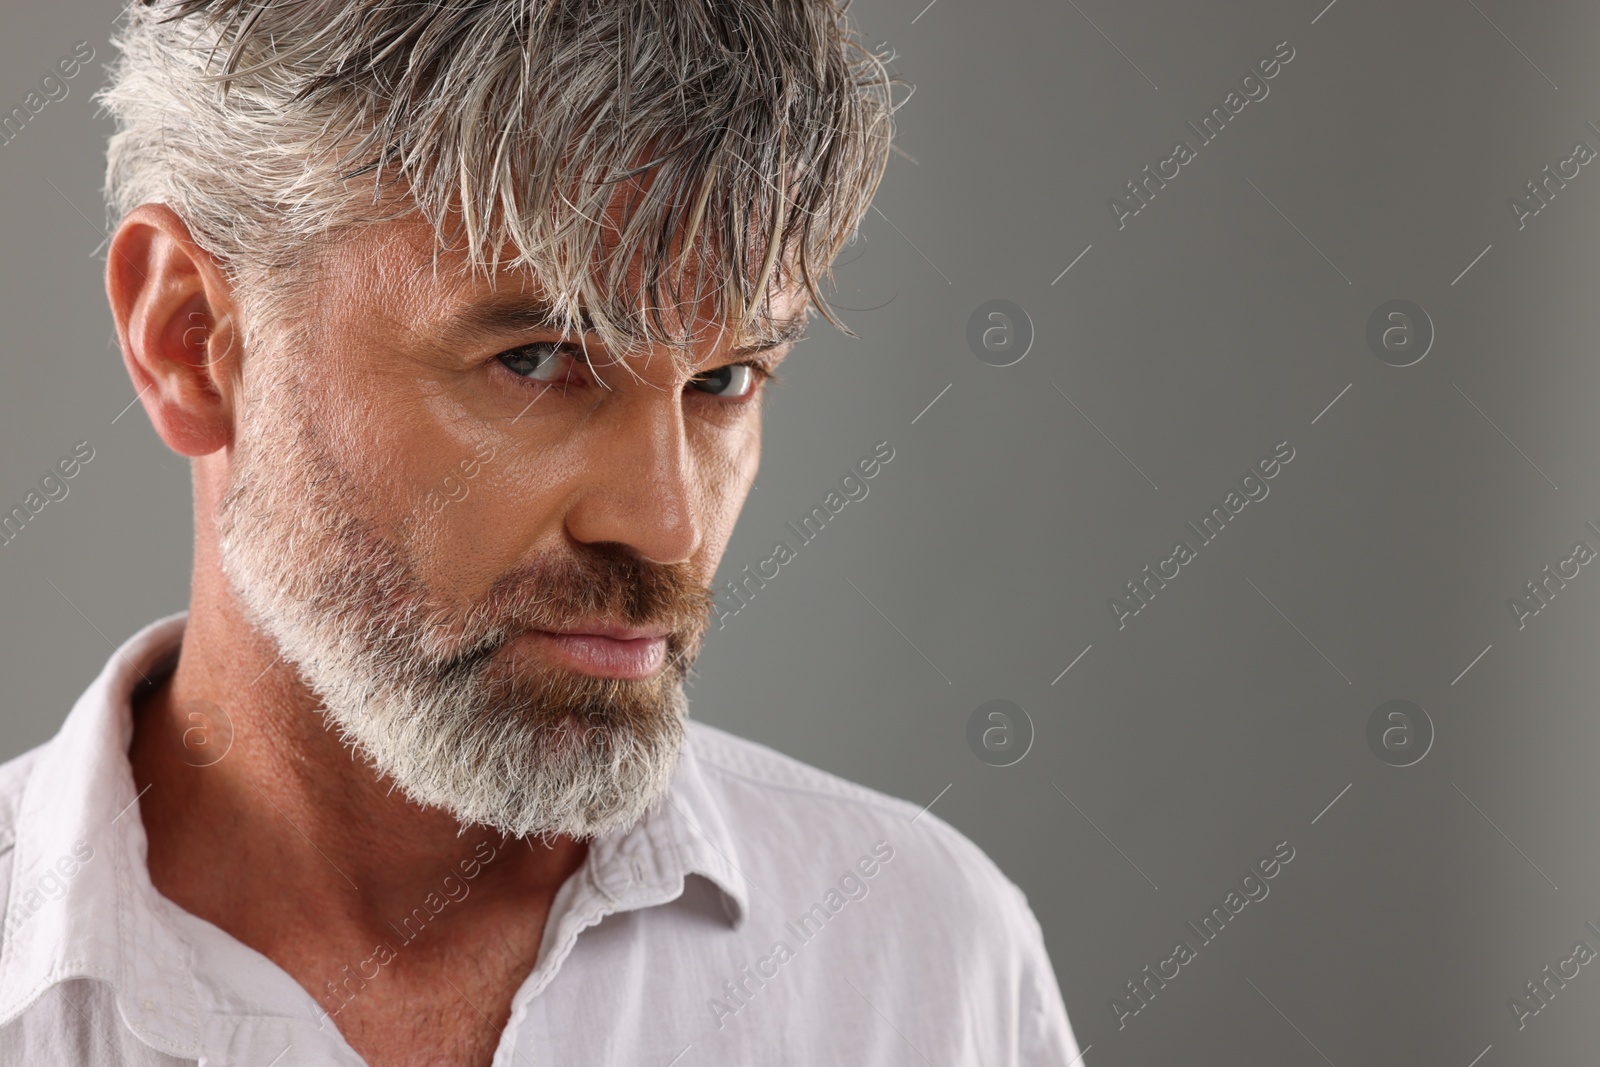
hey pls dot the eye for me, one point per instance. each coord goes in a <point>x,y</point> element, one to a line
<point>541,361</point>
<point>735,381</point>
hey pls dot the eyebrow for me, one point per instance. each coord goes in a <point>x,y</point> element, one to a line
<point>490,321</point>
<point>484,320</point>
<point>784,332</point>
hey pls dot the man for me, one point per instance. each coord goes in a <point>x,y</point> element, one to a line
<point>461,313</point>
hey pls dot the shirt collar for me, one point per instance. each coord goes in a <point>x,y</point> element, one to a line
<point>684,833</point>
<point>80,888</point>
<point>109,923</point>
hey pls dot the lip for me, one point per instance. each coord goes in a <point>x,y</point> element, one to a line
<point>604,651</point>
<point>615,633</point>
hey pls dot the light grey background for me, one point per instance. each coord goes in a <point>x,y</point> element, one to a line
<point>1223,319</point>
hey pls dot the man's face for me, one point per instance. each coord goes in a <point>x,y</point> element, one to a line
<point>489,556</point>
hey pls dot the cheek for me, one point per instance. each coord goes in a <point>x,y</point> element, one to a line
<point>728,462</point>
<point>485,523</point>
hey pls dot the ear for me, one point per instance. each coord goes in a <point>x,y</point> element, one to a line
<point>179,329</point>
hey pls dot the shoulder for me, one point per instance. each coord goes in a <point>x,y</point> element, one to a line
<point>788,815</point>
<point>925,919</point>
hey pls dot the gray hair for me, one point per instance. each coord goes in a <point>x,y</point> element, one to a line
<point>743,139</point>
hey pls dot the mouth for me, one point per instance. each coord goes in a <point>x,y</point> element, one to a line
<point>603,651</point>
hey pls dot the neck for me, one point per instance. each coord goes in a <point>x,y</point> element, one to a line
<point>289,833</point>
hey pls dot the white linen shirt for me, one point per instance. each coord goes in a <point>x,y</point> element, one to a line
<point>823,924</point>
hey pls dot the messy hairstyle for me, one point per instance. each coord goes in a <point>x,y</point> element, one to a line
<point>736,143</point>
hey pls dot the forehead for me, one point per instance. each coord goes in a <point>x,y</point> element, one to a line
<point>397,266</point>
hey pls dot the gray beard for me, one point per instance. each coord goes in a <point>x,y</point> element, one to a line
<point>423,693</point>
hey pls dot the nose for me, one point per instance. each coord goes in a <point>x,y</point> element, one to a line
<point>640,485</point>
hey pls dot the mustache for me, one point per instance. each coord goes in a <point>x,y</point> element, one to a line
<point>600,582</point>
